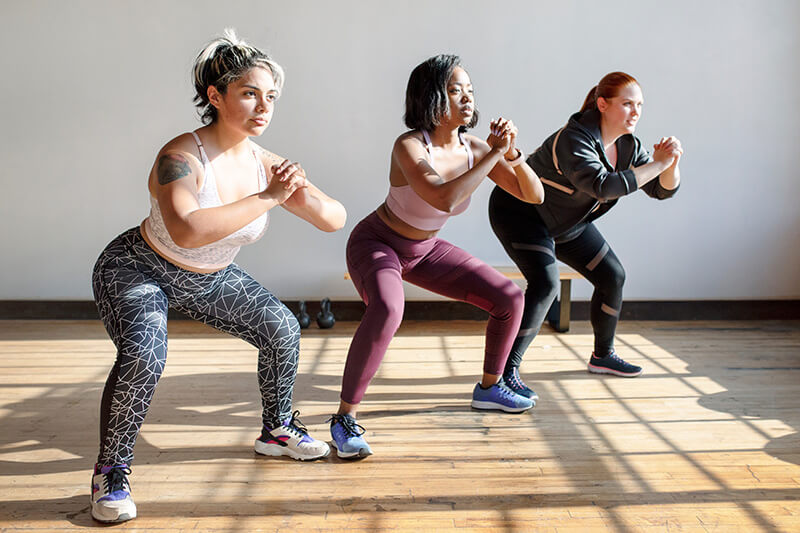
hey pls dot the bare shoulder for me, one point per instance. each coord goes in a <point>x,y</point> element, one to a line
<point>408,142</point>
<point>479,146</point>
<point>177,159</point>
<point>182,143</point>
<point>267,158</point>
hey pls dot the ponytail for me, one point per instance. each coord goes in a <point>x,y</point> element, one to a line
<point>590,102</point>
<point>609,87</point>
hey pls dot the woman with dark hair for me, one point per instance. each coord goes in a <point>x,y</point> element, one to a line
<point>211,191</point>
<point>587,166</point>
<point>435,167</point>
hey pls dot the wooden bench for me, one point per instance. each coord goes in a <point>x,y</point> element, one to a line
<point>558,314</point>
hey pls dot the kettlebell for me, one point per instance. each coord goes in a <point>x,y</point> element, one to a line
<point>303,317</point>
<point>325,318</point>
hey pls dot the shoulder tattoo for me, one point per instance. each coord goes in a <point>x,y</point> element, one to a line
<point>172,167</point>
<point>273,159</point>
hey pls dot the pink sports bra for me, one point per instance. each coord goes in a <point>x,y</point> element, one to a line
<point>409,207</point>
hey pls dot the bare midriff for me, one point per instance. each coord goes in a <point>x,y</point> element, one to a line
<point>401,227</point>
<point>174,262</point>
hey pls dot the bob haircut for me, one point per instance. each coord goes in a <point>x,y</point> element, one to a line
<point>426,93</point>
<point>223,61</point>
<point>608,87</point>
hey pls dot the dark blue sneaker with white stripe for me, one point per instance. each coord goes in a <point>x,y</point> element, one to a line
<point>613,364</point>
<point>291,438</point>
<point>514,382</point>
<point>499,397</point>
<point>347,437</point>
<point>111,494</point>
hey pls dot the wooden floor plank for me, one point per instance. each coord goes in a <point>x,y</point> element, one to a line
<point>706,440</point>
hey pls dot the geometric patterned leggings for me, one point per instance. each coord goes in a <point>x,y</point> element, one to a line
<point>134,287</point>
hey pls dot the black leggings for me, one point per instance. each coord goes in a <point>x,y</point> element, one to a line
<point>530,245</point>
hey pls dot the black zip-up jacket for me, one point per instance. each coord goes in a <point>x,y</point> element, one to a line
<point>584,185</point>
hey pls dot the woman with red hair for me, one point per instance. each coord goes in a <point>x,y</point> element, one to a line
<point>586,167</point>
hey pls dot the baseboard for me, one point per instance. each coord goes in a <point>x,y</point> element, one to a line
<point>451,310</point>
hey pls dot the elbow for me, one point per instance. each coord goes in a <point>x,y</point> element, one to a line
<point>185,241</point>
<point>444,204</point>
<point>331,227</point>
<point>334,223</point>
<point>537,197</point>
<point>184,237</point>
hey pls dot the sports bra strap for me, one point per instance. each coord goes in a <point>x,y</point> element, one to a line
<point>429,147</point>
<point>200,147</point>
<point>470,157</point>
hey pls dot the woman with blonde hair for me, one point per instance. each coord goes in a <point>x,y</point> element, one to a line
<point>211,192</point>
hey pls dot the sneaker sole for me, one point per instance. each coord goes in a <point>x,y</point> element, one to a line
<point>360,454</point>
<point>603,370</point>
<point>273,450</point>
<point>122,517</point>
<point>491,406</point>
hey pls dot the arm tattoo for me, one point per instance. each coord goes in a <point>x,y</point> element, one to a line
<point>172,167</point>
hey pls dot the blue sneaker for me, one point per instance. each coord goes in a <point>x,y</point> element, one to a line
<point>347,438</point>
<point>514,382</point>
<point>111,494</point>
<point>613,364</point>
<point>291,438</point>
<point>499,397</point>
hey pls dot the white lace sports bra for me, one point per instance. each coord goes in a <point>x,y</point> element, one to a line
<point>216,255</point>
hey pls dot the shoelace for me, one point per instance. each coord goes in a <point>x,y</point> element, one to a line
<point>351,427</point>
<point>296,425</point>
<point>116,479</point>
<point>616,358</point>
<point>515,379</point>
<point>505,391</point>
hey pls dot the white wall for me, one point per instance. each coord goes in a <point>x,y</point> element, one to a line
<point>91,89</point>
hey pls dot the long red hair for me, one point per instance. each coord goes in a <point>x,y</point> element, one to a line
<point>609,87</point>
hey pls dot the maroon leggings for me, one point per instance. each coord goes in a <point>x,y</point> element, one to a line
<point>379,259</point>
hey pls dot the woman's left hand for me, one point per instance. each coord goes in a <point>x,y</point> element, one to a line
<point>505,128</point>
<point>672,146</point>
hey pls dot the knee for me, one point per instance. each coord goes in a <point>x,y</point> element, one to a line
<point>388,312</point>
<point>543,287</point>
<point>616,277</point>
<point>510,302</point>
<point>278,328</point>
<point>291,332</point>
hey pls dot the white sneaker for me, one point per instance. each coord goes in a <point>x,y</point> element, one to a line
<point>291,438</point>
<point>111,494</point>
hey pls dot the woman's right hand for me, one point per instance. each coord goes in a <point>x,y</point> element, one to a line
<point>287,178</point>
<point>666,151</point>
<point>501,135</point>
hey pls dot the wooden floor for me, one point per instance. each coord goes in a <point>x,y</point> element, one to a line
<point>706,440</point>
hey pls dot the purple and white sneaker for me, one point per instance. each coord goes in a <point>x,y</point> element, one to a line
<point>500,398</point>
<point>291,438</point>
<point>111,494</point>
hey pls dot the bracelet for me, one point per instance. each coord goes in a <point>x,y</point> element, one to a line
<point>517,160</point>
